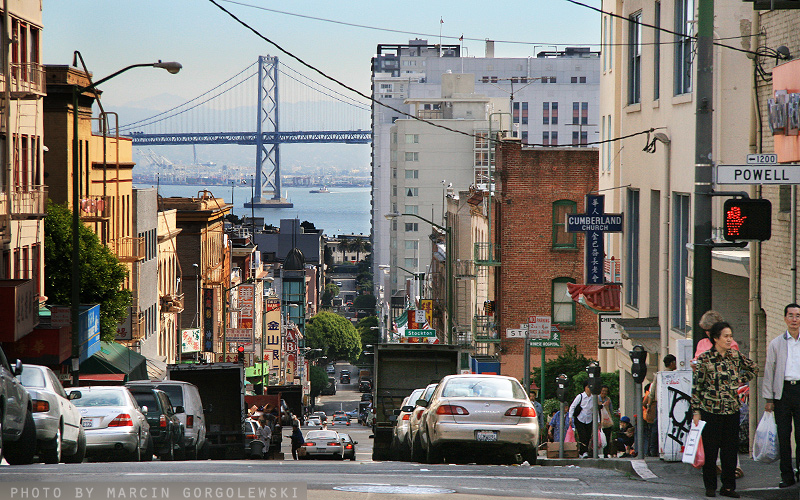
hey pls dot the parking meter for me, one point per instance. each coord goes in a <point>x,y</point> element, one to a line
<point>595,382</point>
<point>638,363</point>
<point>561,387</point>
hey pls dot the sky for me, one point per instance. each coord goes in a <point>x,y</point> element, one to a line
<point>212,47</point>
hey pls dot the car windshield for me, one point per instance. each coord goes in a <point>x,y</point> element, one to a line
<point>345,437</point>
<point>482,387</point>
<point>147,399</point>
<point>31,377</point>
<point>99,398</point>
<point>174,392</point>
<point>321,435</point>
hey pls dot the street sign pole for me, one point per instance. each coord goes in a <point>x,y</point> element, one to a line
<point>526,376</point>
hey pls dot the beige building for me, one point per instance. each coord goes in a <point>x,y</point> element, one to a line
<point>23,194</point>
<point>170,290</point>
<point>648,81</point>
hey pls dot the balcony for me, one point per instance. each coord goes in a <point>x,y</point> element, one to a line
<point>171,303</point>
<point>4,234</point>
<point>95,208</point>
<point>465,268</point>
<point>485,329</point>
<point>430,114</point>
<point>30,202</point>
<point>128,249</point>
<point>27,79</point>
<point>487,254</point>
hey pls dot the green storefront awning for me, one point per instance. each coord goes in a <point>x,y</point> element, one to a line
<point>114,358</point>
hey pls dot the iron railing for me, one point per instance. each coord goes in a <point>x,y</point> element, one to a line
<point>26,202</point>
<point>487,254</point>
<point>27,78</point>
<point>129,248</point>
<point>95,208</point>
<point>485,328</point>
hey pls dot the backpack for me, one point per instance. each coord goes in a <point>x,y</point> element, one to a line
<point>649,410</point>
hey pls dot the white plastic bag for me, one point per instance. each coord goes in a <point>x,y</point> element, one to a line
<point>691,444</point>
<point>765,444</point>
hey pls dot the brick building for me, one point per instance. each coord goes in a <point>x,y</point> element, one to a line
<point>536,187</point>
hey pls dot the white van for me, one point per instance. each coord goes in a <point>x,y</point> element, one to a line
<point>185,397</point>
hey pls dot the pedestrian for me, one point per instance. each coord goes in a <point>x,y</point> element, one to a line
<point>651,403</point>
<point>537,406</point>
<point>605,402</point>
<point>781,390</point>
<point>715,400</point>
<point>581,411</point>
<point>297,438</point>
<point>625,438</point>
<point>264,434</point>
<point>554,427</point>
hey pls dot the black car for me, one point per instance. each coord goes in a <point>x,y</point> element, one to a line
<point>165,427</point>
<point>365,386</point>
<point>344,378</point>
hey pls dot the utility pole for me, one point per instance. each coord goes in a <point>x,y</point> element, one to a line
<point>704,94</point>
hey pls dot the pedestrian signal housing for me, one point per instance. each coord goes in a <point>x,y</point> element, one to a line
<point>747,219</point>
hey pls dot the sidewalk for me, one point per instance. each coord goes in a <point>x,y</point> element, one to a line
<point>760,480</point>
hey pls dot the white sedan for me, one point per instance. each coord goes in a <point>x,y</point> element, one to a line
<point>314,423</point>
<point>323,443</point>
<point>486,414</point>
<point>59,434</point>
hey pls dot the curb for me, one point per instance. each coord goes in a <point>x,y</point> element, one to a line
<point>621,465</point>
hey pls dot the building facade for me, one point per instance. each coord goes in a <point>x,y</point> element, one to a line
<point>170,288</point>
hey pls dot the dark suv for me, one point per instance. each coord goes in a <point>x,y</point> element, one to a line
<point>18,439</point>
<point>165,427</point>
<point>365,386</point>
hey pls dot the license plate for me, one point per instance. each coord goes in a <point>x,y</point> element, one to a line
<point>486,435</point>
<point>87,422</point>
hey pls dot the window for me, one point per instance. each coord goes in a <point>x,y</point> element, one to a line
<point>563,307</point>
<point>412,191</point>
<point>412,244</point>
<point>411,209</point>
<point>573,79</point>
<point>524,113</point>
<point>554,113</point>
<point>680,259</point>
<point>515,113</point>
<point>545,113</point>
<point>525,137</point>
<point>635,58</point>
<point>412,156</point>
<point>554,138</point>
<point>606,45</point>
<point>582,79</point>
<point>603,145</point>
<point>411,263</point>
<point>561,238</point>
<point>545,138</point>
<point>412,138</point>
<point>584,137</point>
<point>684,20</point>
<point>552,79</point>
<point>394,189</point>
<point>657,51</point>
<point>632,249</point>
<point>575,138</point>
<point>412,227</point>
<point>412,174</point>
<point>576,113</point>
<point>609,145</point>
<point>584,113</point>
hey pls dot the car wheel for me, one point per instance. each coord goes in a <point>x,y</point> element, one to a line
<point>416,450</point>
<point>21,452</point>
<point>52,455</point>
<point>531,455</point>
<point>170,454</point>
<point>433,455</point>
<point>1,435</point>
<point>136,454</point>
<point>80,452</point>
<point>148,450</point>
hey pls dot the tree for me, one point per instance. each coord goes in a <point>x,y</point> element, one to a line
<point>318,378</point>
<point>365,302</point>
<point>370,335</point>
<point>102,275</point>
<point>357,245</point>
<point>335,335</point>
<point>568,362</point>
<point>331,291</point>
<point>308,226</point>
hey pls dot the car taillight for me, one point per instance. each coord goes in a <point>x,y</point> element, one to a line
<point>419,413</point>
<point>521,411</point>
<point>407,416</point>
<point>349,447</point>
<point>121,420</point>
<point>39,405</point>
<point>309,444</point>
<point>451,410</point>
<point>189,421</point>
<point>162,421</point>
<point>334,443</point>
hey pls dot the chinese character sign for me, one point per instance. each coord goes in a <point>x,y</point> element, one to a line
<point>208,319</point>
<point>272,337</point>
<point>246,304</point>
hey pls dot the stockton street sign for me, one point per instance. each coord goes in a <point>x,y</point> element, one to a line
<point>594,223</point>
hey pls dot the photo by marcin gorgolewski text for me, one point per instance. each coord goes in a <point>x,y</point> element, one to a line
<point>161,491</point>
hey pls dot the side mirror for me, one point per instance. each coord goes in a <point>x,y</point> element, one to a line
<point>179,409</point>
<point>18,368</point>
<point>397,412</point>
<point>422,402</point>
<point>407,409</point>
<point>355,442</point>
<point>74,395</point>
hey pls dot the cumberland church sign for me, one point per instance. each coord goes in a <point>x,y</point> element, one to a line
<point>594,224</point>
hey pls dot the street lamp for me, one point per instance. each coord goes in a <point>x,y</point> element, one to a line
<point>75,296</point>
<point>448,265</point>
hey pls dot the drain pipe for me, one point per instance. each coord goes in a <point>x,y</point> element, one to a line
<point>664,282</point>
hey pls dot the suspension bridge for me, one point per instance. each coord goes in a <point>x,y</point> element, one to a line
<point>303,112</point>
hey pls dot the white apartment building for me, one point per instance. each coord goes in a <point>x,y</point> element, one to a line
<point>526,95</point>
<point>648,81</point>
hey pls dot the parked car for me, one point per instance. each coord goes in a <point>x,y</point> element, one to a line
<point>486,414</point>
<point>401,445</point>
<point>341,420</point>
<point>59,435</point>
<point>18,434</point>
<point>413,424</point>
<point>349,447</point>
<point>365,386</point>
<point>314,423</point>
<point>367,396</point>
<point>113,422</point>
<point>323,443</point>
<point>251,427</point>
<point>330,369</point>
<point>166,429</point>
<point>186,397</point>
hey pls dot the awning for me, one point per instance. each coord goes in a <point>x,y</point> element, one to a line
<point>114,358</point>
<point>598,298</point>
<point>101,379</point>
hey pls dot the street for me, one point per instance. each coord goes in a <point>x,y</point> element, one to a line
<point>363,478</point>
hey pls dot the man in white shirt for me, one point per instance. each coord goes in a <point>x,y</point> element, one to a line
<point>781,390</point>
<point>583,420</point>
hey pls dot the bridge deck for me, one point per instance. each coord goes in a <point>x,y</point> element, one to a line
<point>249,138</point>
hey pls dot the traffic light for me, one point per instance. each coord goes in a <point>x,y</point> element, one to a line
<point>240,354</point>
<point>747,219</point>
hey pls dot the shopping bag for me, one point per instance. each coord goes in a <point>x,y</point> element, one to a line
<point>605,418</point>
<point>691,445</point>
<point>765,444</point>
<point>700,456</point>
<point>601,438</point>
<point>569,437</point>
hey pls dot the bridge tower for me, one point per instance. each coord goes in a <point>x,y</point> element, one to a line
<point>268,158</point>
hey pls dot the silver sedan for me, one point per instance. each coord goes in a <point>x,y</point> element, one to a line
<point>486,414</point>
<point>59,434</point>
<point>323,443</point>
<point>113,422</point>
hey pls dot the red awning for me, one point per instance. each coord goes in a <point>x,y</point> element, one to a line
<point>85,379</point>
<point>603,298</point>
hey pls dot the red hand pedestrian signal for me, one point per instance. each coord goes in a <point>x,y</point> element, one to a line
<point>747,219</point>
<point>734,220</point>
